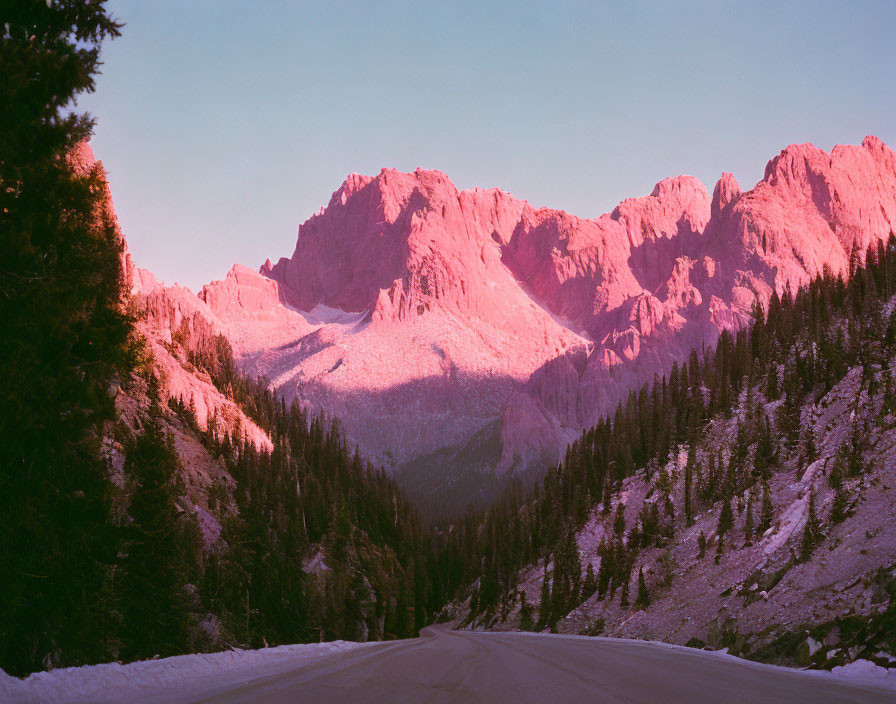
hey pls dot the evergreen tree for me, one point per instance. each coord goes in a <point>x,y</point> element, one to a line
<point>789,416</point>
<point>402,612</point>
<point>812,531</point>
<point>65,336</point>
<point>160,551</point>
<point>854,462</point>
<point>839,508</point>
<point>526,623</point>
<point>605,571</point>
<point>559,596</point>
<point>590,584</point>
<point>474,606</point>
<point>726,518</point>
<point>643,600</point>
<point>838,471</point>
<point>772,390</point>
<point>619,520</point>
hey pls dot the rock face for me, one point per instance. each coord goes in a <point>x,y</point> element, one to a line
<point>420,315</point>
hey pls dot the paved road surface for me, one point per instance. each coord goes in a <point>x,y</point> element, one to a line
<point>452,666</point>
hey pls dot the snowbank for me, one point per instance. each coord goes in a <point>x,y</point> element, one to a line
<point>866,672</point>
<point>169,680</point>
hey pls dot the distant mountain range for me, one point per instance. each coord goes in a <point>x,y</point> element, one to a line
<point>462,337</point>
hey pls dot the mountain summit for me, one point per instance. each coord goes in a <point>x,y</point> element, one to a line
<point>459,332</point>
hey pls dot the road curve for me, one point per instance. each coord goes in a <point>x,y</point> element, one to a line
<point>459,666</point>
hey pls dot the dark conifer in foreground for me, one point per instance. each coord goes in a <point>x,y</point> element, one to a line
<point>65,337</point>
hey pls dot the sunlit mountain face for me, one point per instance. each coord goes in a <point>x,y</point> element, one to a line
<point>464,337</point>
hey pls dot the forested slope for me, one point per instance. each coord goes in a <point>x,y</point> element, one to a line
<point>744,501</point>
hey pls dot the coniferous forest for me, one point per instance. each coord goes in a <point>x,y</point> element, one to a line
<point>95,569</point>
<point>794,352</point>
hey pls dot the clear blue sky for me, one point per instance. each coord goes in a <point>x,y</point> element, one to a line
<point>224,125</point>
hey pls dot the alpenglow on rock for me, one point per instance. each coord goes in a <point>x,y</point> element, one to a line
<point>458,331</point>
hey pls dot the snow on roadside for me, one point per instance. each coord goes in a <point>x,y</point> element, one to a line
<point>866,672</point>
<point>168,680</point>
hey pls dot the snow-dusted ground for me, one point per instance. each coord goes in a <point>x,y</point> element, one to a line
<point>170,680</point>
<point>866,672</point>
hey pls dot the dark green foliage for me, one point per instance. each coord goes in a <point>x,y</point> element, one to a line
<point>855,465</point>
<point>309,492</point>
<point>590,584</point>
<point>840,506</point>
<point>526,622</point>
<point>837,480</point>
<point>65,335</point>
<point>161,552</point>
<point>772,390</point>
<point>812,532</point>
<point>811,453</point>
<point>619,521</point>
<point>726,518</point>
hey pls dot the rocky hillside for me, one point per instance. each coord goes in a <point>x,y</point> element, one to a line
<point>765,529</point>
<point>460,332</point>
<point>760,598</point>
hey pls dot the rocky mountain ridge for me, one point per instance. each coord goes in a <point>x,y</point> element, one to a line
<point>468,330</point>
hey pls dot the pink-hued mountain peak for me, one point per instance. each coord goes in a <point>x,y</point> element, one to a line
<point>429,318</point>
